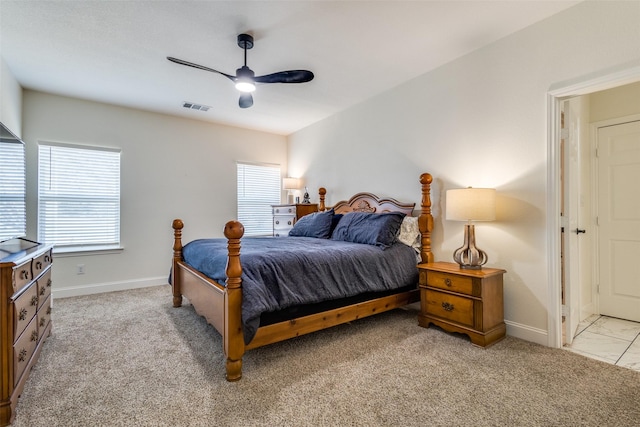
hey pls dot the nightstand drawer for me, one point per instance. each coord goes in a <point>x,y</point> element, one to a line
<point>450,282</point>
<point>451,307</point>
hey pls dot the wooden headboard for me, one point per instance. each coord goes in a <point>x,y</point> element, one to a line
<point>368,202</point>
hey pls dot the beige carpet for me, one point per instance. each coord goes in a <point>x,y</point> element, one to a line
<point>131,359</point>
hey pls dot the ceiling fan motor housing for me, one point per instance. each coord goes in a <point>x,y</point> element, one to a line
<point>245,41</point>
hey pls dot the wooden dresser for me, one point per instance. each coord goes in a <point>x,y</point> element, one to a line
<point>25,315</point>
<point>461,300</point>
<point>284,216</point>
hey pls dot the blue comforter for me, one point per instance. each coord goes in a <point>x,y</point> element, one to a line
<point>278,273</point>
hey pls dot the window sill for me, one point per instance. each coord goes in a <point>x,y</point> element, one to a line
<point>71,251</point>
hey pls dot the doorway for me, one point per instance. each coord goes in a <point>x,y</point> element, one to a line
<point>556,97</point>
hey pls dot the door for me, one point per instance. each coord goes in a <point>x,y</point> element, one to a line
<point>570,177</point>
<point>618,151</point>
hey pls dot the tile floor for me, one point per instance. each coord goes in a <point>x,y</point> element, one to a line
<point>610,340</point>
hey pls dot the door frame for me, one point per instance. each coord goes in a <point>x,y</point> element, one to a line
<point>555,96</point>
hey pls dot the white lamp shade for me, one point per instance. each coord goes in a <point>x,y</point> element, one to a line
<point>471,204</point>
<point>291,183</point>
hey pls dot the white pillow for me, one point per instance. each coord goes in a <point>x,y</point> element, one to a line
<point>410,233</point>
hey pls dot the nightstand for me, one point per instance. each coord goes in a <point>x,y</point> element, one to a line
<point>284,216</point>
<point>461,300</point>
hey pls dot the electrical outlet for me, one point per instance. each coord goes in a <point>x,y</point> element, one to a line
<point>80,269</point>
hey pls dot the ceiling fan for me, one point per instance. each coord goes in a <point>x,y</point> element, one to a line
<point>245,79</point>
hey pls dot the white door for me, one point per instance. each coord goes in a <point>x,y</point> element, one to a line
<point>570,221</point>
<point>618,154</point>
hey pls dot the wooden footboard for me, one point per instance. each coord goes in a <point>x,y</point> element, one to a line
<point>222,305</point>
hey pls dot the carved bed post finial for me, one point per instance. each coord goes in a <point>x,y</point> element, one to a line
<point>425,220</point>
<point>322,192</point>
<point>177,256</point>
<point>233,336</point>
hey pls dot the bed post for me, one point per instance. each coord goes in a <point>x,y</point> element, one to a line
<point>322,191</point>
<point>425,220</point>
<point>177,256</point>
<point>233,336</point>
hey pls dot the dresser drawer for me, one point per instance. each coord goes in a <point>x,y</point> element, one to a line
<point>25,307</point>
<point>451,307</point>
<point>449,282</point>
<point>21,275</point>
<point>41,263</point>
<point>283,222</point>
<point>23,349</point>
<point>44,287</point>
<point>284,210</point>
<point>44,317</point>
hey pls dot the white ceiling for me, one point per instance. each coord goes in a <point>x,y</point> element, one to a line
<point>115,51</point>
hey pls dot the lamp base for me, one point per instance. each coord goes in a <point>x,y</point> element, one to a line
<point>469,256</point>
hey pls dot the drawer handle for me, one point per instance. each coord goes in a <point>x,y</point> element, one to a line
<point>288,222</point>
<point>49,310</point>
<point>43,321</point>
<point>49,283</point>
<point>22,355</point>
<point>34,336</point>
<point>39,265</point>
<point>23,313</point>
<point>24,274</point>
<point>277,222</point>
<point>447,306</point>
<point>34,300</point>
<point>42,291</point>
<point>47,258</point>
<point>447,282</point>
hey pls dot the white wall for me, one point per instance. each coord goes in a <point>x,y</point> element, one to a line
<point>478,121</point>
<point>10,100</point>
<point>170,168</point>
<point>613,103</point>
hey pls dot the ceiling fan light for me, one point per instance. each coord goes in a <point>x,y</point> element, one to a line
<point>245,85</point>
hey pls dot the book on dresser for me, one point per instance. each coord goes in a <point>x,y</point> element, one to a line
<point>284,216</point>
<point>25,315</point>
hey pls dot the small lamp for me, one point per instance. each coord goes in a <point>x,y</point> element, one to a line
<point>290,184</point>
<point>471,204</point>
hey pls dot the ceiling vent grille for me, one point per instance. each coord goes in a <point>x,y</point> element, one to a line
<point>193,106</point>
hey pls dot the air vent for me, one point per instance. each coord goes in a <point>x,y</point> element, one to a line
<point>192,106</point>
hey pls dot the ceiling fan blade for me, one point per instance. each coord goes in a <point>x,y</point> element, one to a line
<point>201,67</point>
<point>246,100</point>
<point>291,76</point>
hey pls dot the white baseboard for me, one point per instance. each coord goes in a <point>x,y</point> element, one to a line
<point>98,288</point>
<point>527,333</point>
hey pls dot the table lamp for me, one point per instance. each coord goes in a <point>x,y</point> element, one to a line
<point>471,204</point>
<point>290,184</point>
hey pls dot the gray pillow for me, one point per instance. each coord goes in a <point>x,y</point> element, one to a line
<point>317,224</point>
<point>369,228</point>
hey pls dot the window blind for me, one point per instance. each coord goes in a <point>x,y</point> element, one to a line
<point>13,218</point>
<point>78,196</point>
<point>259,187</point>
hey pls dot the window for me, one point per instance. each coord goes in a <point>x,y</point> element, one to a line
<point>258,188</point>
<point>78,197</point>
<point>12,187</point>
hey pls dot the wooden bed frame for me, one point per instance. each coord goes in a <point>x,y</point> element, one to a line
<point>222,305</point>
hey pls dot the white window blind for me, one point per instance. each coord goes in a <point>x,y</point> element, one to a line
<point>259,187</point>
<point>13,218</point>
<point>78,196</point>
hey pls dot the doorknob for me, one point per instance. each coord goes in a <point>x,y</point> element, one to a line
<point>578,231</point>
